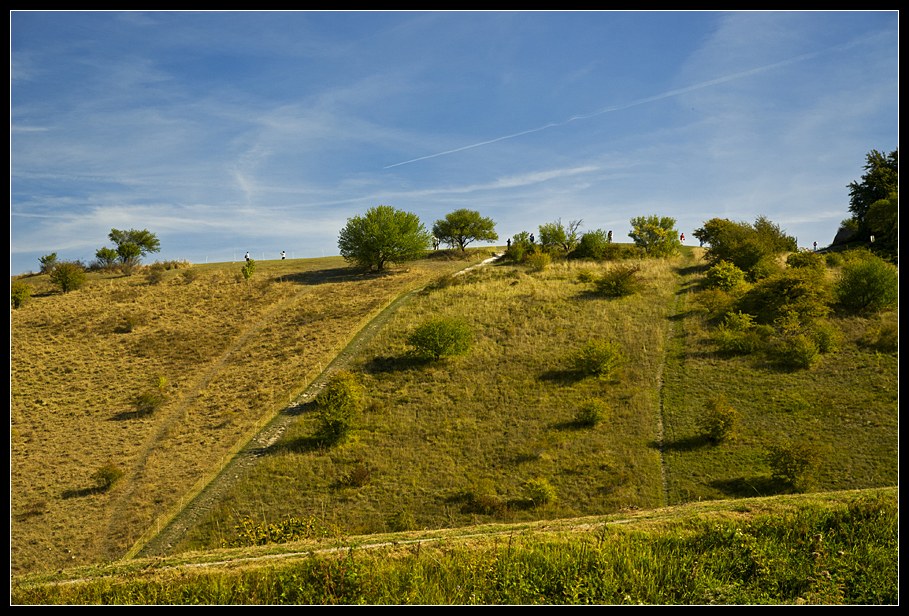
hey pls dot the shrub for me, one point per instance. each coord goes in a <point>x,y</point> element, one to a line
<point>439,338</point>
<point>592,245</point>
<point>592,412</point>
<point>599,358</point>
<point>338,404</point>
<point>585,275</point>
<point>357,477</point>
<point>19,293</point>
<point>737,334</point>
<point>539,491</point>
<point>538,260</point>
<point>155,274</point>
<point>716,302</point>
<point>718,419</point>
<point>833,259</point>
<point>803,292</point>
<point>883,334</point>
<point>826,336</point>
<point>401,521</point>
<point>69,276</point>
<point>867,285</point>
<point>619,281</point>
<point>106,477</point>
<point>792,463</point>
<point>806,259</point>
<point>189,275</point>
<point>797,351</point>
<point>248,268</point>
<point>148,402</point>
<point>724,276</point>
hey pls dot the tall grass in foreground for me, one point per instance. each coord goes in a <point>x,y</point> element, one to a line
<point>838,553</point>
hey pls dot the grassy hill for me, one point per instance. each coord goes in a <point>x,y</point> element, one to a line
<point>490,437</point>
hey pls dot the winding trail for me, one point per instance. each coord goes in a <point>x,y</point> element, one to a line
<point>234,470</point>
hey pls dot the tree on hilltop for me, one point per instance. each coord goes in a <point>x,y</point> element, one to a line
<point>464,226</point>
<point>381,236</point>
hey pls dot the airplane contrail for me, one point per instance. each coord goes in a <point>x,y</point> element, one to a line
<point>635,103</point>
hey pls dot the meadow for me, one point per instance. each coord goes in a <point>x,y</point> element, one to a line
<point>491,437</point>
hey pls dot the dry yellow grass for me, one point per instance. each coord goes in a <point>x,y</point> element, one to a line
<point>230,354</point>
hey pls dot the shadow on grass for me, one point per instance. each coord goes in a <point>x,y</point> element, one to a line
<point>127,415</point>
<point>488,504</point>
<point>384,365</point>
<point>743,487</point>
<point>563,377</point>
<point>83,492</point>
<point>334,275</point>
<point>689,443</point>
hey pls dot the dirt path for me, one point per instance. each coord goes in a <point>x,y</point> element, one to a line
<point>239,465</point>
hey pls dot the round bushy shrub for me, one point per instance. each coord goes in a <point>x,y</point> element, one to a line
<point>619,281</point>
<point>107,476</point>
<point>868,285</point>
<point>793,463</point>
<point>592,412</point>
<point>806,259</point>
<point>338,404</point>
<point>538,260</point>
<point>717,420</point>
<point>724,276</point>
<point>539,491</point>
<point>439,338</point>
<point>68,275</point>
<point>600,358</point>
<point>19,293</point>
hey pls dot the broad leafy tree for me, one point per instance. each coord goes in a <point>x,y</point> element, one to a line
<point>656,235</point>
<point>381,236</point>
<point>464,226</point>
<point>556,237</point>
<point>744,245</point>
<point>133,244</point>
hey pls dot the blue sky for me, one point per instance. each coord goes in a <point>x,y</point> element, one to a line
<point>227,132</point>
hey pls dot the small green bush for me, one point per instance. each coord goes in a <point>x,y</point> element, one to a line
<point>538,260</point>
<point>718,420</point>
<point>826,336</point>
<point>539,491</point>
<point>806,259</point>
<point>585,275</point>
<point>20,293</point>
<point>793,463</point>
<point>737,334</point>
<point>338,404</point>
<point>592,412</point>
<point>867,285</point>
<point>69,276</point>
<point>724,276</point>
<point>883,334</point>
<point>440,338</point>
<point>600,358</point>
<point>619,281</point>
<point>716,302</point>
<point>147,402</point>
<point>357,477</point>
<point>106,476</point>
<point>248,269</point>
<point>795,352</point>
